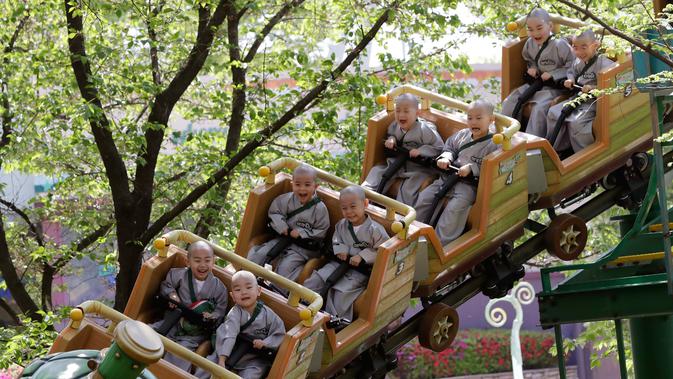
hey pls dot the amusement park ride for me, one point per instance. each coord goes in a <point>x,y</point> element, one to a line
<point>633,281</point>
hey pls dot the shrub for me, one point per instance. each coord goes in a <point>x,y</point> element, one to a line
<point>475,352</point>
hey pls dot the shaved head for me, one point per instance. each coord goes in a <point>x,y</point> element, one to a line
<point>358,191</point>
<point>198,246</point>
<point>539,13</point>
<point>243,275</point>
<point>406,98</point>
<point>305,170</point>
<point>482,104</point>
<point>586,35</point>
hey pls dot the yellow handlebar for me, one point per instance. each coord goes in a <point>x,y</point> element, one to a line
<point>392,206</point>
<point>98,308</point>
<point>297,291</point>
<point>505,126</point>
<point>574,23</point>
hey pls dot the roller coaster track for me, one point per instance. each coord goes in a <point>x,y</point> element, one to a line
<point>522,254</point>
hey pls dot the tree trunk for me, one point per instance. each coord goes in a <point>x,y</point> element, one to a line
<point>48,272</point>
<point>16,288</point>
<point>130,260</point>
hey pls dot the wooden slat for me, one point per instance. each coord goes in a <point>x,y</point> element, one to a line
<point>394,298</point>
<point>397,283</point>
<point>519,201</point>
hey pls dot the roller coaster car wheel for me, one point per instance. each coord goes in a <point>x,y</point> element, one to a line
<point>439,326</point>
<point>641,161</point>
<point>566,236</point>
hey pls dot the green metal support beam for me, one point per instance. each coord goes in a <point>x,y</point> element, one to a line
<point>652,347</point>
<point>647,298</point>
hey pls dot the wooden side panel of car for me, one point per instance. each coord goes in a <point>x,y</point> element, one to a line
<point>500,208</point>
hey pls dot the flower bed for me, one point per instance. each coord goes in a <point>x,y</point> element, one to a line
<point>475,352</point>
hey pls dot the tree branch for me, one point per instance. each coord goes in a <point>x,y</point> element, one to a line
<point>115,169</point>
<point>7,110</point>
<point>163,106</point>
<point>152,34</point>
<point>36,232</point>
<point>618,33</point>
<point>12,313</point>
<point>82,244</point>
<point>264,134</point>
<point>268,27</point>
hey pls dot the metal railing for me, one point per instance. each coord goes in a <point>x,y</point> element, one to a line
<point>297,291</point>
<point>100,309</point>
<point>505,126</point>
<point>400,227</point>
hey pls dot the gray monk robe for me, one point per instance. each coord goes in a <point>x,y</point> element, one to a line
<point>579,133</point>
<point>267,326</point>
<point>556,59</point>
<point>340,298</point>
<point>212,289</point>
<point>311,222</point>
<point>423,136</point>
<point>461,197</point>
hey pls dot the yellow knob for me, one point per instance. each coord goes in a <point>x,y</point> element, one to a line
<point>160,243</point>
<point>264,171</point>
<point>498,139</point>
<point>512,26</point>
<point>381,99</point>
<point>305,314</point>
<point>397,227</point>
<point>76,314</point>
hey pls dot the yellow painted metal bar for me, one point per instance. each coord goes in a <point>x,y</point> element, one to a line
<point>399,227</point>
<point>660,227</point>
<point>296,290</point>
<point>638,258</point>
<point>98,308</point>
<point>505,126</point>
<point>520,23</point>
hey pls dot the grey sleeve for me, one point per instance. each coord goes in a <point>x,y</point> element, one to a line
<point>168,285</point>
<point>276,331</point>
<point>491,147</point>
<point>566,58</point>
<point>432,143</point>
<point>320,224</point>
<point>605,63</point>
<point>390,132</point>
<point>572,72</point>
<point>227,332</point>
<point>379,236</point>
<point>530,61</point>
<point>451,148</point>
<point>220,300</point>
<point>338,243</point>
<point>278,215</point>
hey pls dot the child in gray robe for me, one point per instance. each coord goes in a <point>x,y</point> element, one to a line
<point>190,286</point>
<point>250,320</point>
<point>356,239</point>
<point>418,136</point>
<point>299,215</point>
<point>465,150</point>
<point>583,73</point>
<point>548,58</point>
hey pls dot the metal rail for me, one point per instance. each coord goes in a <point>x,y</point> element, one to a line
<point>98,308</point>
<point>297,291</point>
<point>400,227</point>
<point>523,253</point>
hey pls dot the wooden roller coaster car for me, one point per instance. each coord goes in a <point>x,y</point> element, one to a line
<point>389,289</point>
<point>528,174</point>
<point>622,127</point>
<point>302,323</point>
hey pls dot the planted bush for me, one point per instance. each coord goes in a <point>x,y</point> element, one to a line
<point>475,352</point>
